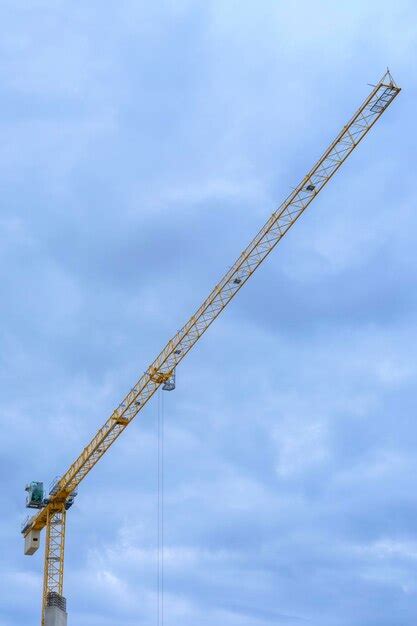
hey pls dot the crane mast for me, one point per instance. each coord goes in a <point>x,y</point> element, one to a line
<point>162,370</point>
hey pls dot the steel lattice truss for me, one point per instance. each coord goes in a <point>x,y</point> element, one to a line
<point>54,554</point>
<point>163,367</point>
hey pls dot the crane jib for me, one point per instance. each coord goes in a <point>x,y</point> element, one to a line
<point>254,254</point>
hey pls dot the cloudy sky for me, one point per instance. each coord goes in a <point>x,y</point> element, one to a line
<point>142,146</point>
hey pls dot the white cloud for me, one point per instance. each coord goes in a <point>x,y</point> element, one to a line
<point>141,146</point>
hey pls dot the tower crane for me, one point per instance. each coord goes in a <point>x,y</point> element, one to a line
<point>51,511</point>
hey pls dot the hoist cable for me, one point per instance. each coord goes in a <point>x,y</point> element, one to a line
<point>160,510</point>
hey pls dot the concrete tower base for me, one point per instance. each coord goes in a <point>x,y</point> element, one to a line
<point>54,616</point>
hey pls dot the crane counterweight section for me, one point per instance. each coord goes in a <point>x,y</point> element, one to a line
<point>32,540</point>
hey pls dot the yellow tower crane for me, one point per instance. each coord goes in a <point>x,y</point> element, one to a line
<point>52,510</point>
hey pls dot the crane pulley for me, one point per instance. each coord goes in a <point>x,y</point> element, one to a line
<point>52,513</point>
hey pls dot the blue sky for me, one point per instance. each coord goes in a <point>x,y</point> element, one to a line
<point>142,146</point>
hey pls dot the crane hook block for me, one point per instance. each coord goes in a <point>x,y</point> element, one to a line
<point>169,385</point>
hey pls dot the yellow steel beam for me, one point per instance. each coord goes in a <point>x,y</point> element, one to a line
<point>53,573</point>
